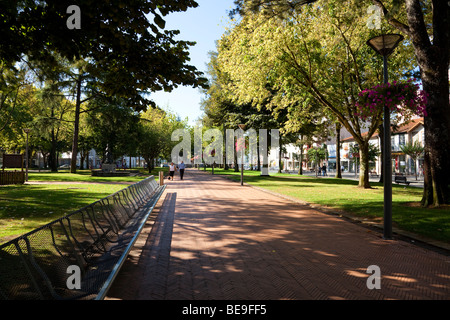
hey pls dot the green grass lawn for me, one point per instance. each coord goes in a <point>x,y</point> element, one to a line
<point>29,206</point>
<point>344,195</point>
<point>26,207</point>
<point>81,175</point>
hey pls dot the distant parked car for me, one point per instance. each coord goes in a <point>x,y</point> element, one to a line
<point>64,166</point>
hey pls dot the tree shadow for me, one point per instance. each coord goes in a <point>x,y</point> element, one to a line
<point>228,246</point>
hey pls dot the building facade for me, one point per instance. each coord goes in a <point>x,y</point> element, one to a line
<point>411,131</point>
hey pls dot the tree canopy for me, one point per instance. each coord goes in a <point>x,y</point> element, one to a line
<point>120,50</point>
<point>316,57</point>
<point>426,26</point>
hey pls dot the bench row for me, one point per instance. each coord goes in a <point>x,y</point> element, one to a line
<point>77,256</point>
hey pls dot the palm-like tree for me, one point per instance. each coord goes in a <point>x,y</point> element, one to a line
<point>414,150</point>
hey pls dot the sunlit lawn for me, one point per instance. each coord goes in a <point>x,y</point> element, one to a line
<point>344,195</point>
<point>29,206</point>
<point>81,175</point>
<point>25,207</point>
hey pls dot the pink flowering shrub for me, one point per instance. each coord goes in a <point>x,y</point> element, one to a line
<point>402,97</point>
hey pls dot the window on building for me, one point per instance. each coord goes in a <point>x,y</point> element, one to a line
<point>402,140</point>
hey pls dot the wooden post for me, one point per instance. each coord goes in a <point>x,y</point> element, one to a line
<point>161,178</point>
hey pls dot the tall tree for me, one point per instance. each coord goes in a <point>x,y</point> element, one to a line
<point>316,155</point>
<point>318,53</point>
<point>52,119</point>
<point>426,24</point>
<point>15,85</point>
<point>414,150</point>
<point>111,123</point>
<point>431,42</point>
<point>294,118</point>
<point>155,132</point>
<point>125,44</point>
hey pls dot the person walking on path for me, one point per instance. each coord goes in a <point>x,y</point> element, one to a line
<point>171,170</point>
<point>182,166</point>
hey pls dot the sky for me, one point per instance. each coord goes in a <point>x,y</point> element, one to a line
<point>204,25</point>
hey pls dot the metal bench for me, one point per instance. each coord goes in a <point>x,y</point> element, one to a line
<point>95,240</point>
<point>401,179</point>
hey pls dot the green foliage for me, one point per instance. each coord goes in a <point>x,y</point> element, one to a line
<point>16,93</point>
<point>372,155</point>
<point>155,135</point>
<point>112,124</point>
<point>412,149</point>
<point>126,48</point>
<point>313,60</point>
<point>122,52</point>
<point>317,154</point>
<point>125,41</point>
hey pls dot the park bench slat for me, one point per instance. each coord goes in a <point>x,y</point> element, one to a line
<point>96,238</point>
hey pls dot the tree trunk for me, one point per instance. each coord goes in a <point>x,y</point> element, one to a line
<point>433,60</point>
<point>225,162</point>
<point>432,54</point>
<point>300,166</point>
<point>279,155</point>
<point>436,158</point>
<point>258,161</point>
<point>148,161</point>
<point>76,130</point>
<point>338,151</point>
<point>437,135</point>
<point>381,135</point>
<point>236,166</point>
<point>82,157</point>
<point>151,164</point>
<point>52,157</point>
<point>364,165</point>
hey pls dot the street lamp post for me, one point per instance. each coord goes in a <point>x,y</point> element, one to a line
<point>384,45</point>
<point>27,131</point>
<point>242,127</point>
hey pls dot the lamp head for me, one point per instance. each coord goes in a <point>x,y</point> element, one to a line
<point>385,44</point>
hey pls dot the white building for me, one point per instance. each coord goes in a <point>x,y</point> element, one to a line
<point>412,131</point>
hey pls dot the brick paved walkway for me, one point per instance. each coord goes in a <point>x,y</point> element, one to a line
<point>214,239</point>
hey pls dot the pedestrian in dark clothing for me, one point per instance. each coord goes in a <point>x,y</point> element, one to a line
<point>182,166</point>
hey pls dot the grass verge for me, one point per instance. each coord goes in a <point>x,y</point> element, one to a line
<point>29,206</point>
<point>343,194</point>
